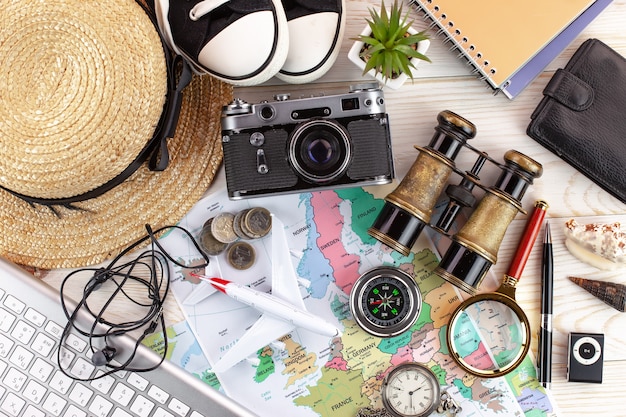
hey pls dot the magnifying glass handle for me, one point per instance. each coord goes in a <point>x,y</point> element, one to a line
<point>528,240</point>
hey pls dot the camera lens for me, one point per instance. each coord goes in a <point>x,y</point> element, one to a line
<point>320,151</point>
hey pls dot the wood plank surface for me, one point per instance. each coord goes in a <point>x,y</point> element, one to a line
<point>447,83</point>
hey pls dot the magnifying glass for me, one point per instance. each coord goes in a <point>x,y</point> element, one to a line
<point>489,334</point>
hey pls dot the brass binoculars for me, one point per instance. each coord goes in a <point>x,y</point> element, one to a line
<point>409,207</point>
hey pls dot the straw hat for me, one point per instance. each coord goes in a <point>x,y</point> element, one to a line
<point>83,89</point>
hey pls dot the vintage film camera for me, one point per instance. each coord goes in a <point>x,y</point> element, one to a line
<point>407,209</point>
<point>288,146</point>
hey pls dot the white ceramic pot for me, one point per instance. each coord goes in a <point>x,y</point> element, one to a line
<point>395,83</point>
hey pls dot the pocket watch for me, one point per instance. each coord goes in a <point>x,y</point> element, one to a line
<point>411,390</point>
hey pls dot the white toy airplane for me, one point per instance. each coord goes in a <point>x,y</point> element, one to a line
<point>283,309</point>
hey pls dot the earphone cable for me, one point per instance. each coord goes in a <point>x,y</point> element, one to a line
<point>155,261</point>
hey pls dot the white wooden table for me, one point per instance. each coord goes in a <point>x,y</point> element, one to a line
<point>447,83</point>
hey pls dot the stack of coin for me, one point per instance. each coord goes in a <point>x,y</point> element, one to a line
<point>225,228</point>
<point>208,243</point>
<point>252,223</point>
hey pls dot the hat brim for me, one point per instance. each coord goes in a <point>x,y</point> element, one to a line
<point>102,227</point>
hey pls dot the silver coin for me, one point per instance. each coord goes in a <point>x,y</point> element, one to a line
<point>207,241</point>
<point>237,221</point>
<point>241,255</point>
<point>257,222</point>
<point>222,227</point>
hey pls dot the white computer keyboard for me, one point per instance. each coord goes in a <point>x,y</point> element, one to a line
<point>32,383</point>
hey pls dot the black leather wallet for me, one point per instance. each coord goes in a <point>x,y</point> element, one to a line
<point>582,116</point>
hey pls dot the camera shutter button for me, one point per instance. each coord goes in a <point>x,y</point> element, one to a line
<point>257,139</point>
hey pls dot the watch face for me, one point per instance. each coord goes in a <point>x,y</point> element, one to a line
<point>411,390</point>
<point>385,301</point>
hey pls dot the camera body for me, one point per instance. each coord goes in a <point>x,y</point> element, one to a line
<point>288,146</point>
<point>585,357</point>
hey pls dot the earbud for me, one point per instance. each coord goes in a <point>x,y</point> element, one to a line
<point>104,356</point>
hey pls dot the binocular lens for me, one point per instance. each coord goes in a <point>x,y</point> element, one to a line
<point>396,228</point>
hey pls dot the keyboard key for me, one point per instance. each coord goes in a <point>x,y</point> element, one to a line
<point>162,413</point>
<point>75,342</point>
<point>14,304</point>
<point>42,344</point>
<point>142,406</point>
<point>81,394</point>
<point>23,332</point>
<point>137,381</point>
<point>54,404</point>
<point>103,384</point>
<point>100,407</point>
<point>33,412</point>
<point>5,346</point>
<point>21,357</point>
<point>178,407</point>
<point>158,394</point>
<point>14,379</point>
<point>82,369</point>
<point>12,404</point>
<point>66,357</point>
<point>61,382</point>
<point>34,391</point>
<point>6,320</point>
<point>54,329</point>
<point>122,394</point>
<point>118,412</point>
<point>73,411</point>
<point>41,370</point>
<point>34,317</point>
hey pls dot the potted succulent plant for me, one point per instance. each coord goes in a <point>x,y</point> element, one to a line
<point>389,48</point>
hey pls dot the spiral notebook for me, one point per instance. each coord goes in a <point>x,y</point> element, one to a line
<point>501,38</point>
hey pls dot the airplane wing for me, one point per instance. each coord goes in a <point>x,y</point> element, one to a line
<point>265,331</point>
<point>284,280</point>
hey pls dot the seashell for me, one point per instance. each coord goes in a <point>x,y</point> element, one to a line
<point>600,245</point>
<point>610,292</point>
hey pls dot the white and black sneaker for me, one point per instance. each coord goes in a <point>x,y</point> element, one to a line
<point>242,42</point>
<point>315,33</point>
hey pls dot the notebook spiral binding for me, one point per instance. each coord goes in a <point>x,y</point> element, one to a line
<point>469,53</point>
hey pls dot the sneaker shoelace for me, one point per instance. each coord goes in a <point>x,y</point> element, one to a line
<point>205,7</point>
